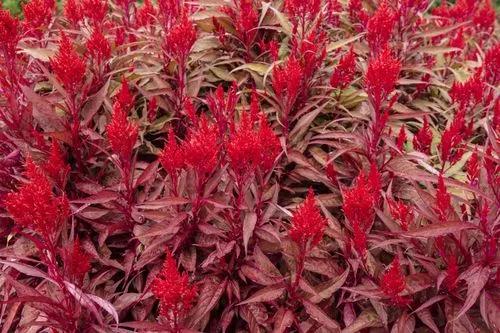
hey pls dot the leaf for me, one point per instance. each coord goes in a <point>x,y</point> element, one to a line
<point>417,282</point>
<point>338,44</point>
<point>426,317</point>
<point>439,229</point>
<point>210,294</point>
<point>99,198</point>
<point>283,320</point>
<point>364,320</point>
<point>283,20</point>
<point>320,316</point>
<point>107,306</point>
<point>248,228</point>
<point>147,174</point>
<point>326,290</point>
<point>266,294</point>
<point>26,269</point>
<point>257,67</point>
<point>475,285</point>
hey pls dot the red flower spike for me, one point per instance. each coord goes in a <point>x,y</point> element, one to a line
<point>457,42</point>
<point>245,20</point>
<point>381,77</point>
<point>222,106</point>
<point>468,93</point>
<point>95,10</point>
<point>375,182</point>
<point>146,14</point>
<point>443,200</point>
<point>9,32</point>
<point>308,225</point>
<point>180,40</point>
<point>170,11</point>
<point>393,283</point>
<point>152,109</point>
<point>38,14</point>
<point>491,65</point>
<point>68,66</point>
<point>122,134</point>
<point>175,293</point>
<point>357,14</point>
<point>307,10</point>
<point>34,206</point>
<point>379,28</point>
<point>359,202</point>
<point>124,96</point>
<point>270,146</point>
<point>423,139</point>
<point>287,82</point>
<point>402,213</point>
<point>492,168</point>
<point>451,140</point>
<point>400,142</point>
<point>98,46</point>
<point>359,238</point>
<point>473,167</point>
<point>343,74</point>
<point>243,149</point>
<point>484,18</point>
<point>73,11</point>
<point>451,279</point>
<point>56,166</point>
<point>202,148</point>
<point>172,156</point>
<point>331,173</point>
<point>76,262</point>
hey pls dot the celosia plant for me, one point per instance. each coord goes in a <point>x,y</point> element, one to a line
<point>305,165</point>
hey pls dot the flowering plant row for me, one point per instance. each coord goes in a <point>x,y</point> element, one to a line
<point>250,166</point>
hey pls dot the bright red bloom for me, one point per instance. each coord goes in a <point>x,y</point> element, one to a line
<point>400,142</point>
<point>222,106</point>
<point>331,173</point>
<point>34,206</point>
<point>122,134</point>
<point>484,17</point>
<point>98,46</point>
<point>491,66</point>
<point>379,28</point>
<point>451,146</point>
<point>245,19</point>
<point>381,77</point>
<point>56,166</point>
<point>359,202</point>
<point>243,148</point>
<point>287,82</point>
<point>402,213</point>
<point>124,96</point>
<point>423,139</point>
<point>202,148</point>
<point>95,10</point>
<point>68,66</point>
<point>306,10</point>
<point>473,167</point>
<point>174,292</point>
<point>308,225</point>
<point>343,74</point>
<point>170,11</point>
<point>443,200</point>
<point>38,13</point>
<point>9,32</point>
<point>73,11</point>
<point>357,14</point>
<point>451,279</point>
<point>180,40</point>
<point>311,52</point>
<point>76,262</point>
<point>172,156</point>
<point>270,146</point>
<point>393,283</point>
<point>492,168</point>
<point>468,93</point>
<point>146,14</point>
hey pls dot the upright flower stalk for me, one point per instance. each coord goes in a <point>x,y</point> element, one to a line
<point>308,226</point>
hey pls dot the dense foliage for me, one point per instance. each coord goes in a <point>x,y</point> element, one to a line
<point>248,166</point>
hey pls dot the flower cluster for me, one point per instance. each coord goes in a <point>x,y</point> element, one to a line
<point>122,134</point>
<point>56,166</point>
<point>37,15</point>
<point>245,18</point>
<point>180,39</point>
<point>68,66</point>
<point>9,33</point>
<point>76,262</point>
<point>34,205</point>
<point>393,283</point>
<point>379,28</point>
<point>343,74</point>
<point>308,225</point>
<point>423,139</point>
<point>174,292</point>
<point>381,77</point>
<point>98,46</point>
<point>402,213</point>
